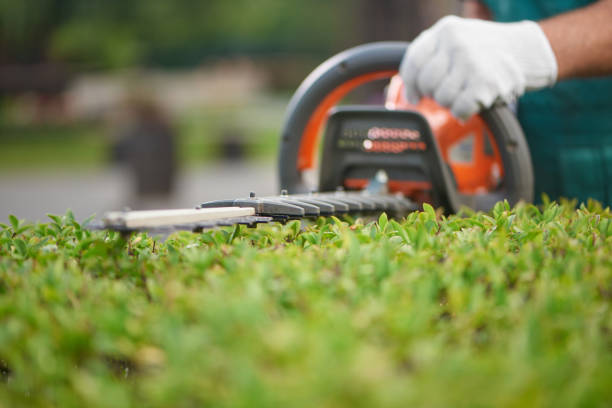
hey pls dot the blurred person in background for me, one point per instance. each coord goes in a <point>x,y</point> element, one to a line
<point>555,56</point>
<point>146,145</point>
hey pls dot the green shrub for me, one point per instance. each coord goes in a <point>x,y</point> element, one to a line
<point>510,308</point>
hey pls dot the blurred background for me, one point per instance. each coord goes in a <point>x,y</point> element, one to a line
<point>107,104</point>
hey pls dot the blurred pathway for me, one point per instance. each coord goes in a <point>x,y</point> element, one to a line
<point>32,195</point>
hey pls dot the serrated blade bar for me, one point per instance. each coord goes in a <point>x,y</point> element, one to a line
<point>254,210</point>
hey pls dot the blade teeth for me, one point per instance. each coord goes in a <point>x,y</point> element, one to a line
<point>310,210</point>
<point>352,204</point>
<point>339,207</point>
<point>366,205</point>
<point>324,208</point>
<point>377,203</point>
<point>390,204</point>
<point>263,206</point>
<point>405,204</point>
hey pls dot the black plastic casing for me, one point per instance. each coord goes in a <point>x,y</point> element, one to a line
<point>345,155</point>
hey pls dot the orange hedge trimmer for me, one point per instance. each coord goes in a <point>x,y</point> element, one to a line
<point>373,158</point>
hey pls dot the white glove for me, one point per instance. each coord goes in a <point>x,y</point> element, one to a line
<point>467,64</point>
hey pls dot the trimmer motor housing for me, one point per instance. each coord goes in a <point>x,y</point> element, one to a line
<point>361,141</point>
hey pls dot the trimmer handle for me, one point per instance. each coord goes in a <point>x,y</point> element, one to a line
<point>333,79</point>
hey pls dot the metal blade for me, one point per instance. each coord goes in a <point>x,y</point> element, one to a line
<point>160,218</point>
<point>249,220</point>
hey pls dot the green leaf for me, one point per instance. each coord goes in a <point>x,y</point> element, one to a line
<point>56,219</point>
<point>605,227</point>
<point>14,222</point>
<point>382,221</point>
<point>88,220</point>
<point>20,245</point>
<point>172,250</point>
<point>399,229</point>
<point>69,215</point>
<point>234,234</point>
<point>429,210</point>
<point>498,210</point>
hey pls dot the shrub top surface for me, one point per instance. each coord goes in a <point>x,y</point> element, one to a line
<point>510,308</point>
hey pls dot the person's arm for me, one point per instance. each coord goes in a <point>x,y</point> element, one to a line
<point>469,64</point>
<point>582,40</point>
<point>475,9</point>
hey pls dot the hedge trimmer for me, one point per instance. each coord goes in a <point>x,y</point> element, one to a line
<point>388,158</point>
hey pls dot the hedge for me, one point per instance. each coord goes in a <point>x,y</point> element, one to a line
<point>509,308</point>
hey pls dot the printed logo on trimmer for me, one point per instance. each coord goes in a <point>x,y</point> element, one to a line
<point>393,140</point>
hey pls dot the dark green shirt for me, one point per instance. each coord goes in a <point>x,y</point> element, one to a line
<point>568,126</point>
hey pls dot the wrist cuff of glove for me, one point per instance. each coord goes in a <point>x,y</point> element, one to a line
<point>535,55</point>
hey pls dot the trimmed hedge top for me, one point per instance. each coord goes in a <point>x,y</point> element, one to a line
<point>511,308</point>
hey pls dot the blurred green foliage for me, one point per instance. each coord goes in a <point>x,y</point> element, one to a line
<point>116,33</point>
<point>510,308</point>
<point>199,137</point>
<point>28,147</point>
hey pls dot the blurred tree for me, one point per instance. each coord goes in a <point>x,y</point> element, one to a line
<point>397,19</point>
<point>116,33</point>
<point>25,27</point>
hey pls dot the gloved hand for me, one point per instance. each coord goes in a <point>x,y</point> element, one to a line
<point>468,64</point>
